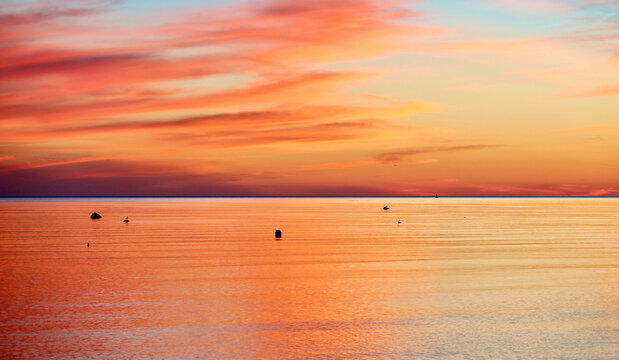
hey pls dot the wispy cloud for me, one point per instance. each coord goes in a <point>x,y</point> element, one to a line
<point>427,161</point>
<point>337,165</point>
<point>98,90</point>
<point>400,154</point>
<point>544,6</point>
<point>583,130</point>
<point>606,90</point>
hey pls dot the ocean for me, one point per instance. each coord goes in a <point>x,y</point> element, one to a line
<point>205,278</point>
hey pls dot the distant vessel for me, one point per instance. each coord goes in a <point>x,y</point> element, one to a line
<point>385,207</point>
<point>436,196</point>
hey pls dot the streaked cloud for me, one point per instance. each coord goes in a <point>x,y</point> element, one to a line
<point>284,97</point>
<point>586,129</point>
<point>606,90</point>
<point>401,154</point>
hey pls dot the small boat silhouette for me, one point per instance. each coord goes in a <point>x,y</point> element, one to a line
<point>126,219</point>
<point>385,207</point>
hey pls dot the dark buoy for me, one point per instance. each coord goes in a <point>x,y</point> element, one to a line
<point>87,244</point>
<point>385,207</point>
<point>95,216</point>
<point>278,234</point>
<point>436,196</point>
<point>126,219</point>
<point>399,222</point>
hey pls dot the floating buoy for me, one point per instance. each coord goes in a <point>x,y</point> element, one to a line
<point>95,216</point>
<point>399,222</point>
<point>87,244</point>
<point>278,234</point>
<point>126,219</point>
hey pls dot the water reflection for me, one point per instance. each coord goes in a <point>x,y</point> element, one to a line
<point>459,278</point>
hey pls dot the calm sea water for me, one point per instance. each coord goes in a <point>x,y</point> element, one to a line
<point>204,278</point>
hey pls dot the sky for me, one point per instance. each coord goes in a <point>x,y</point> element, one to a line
<point>309,98</point>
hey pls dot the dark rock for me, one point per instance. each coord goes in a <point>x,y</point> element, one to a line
<point>95,216</point>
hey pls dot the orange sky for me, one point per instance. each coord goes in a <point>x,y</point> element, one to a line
<point>488,97</point>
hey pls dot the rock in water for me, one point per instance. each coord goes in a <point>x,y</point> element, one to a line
<point>95,216</point>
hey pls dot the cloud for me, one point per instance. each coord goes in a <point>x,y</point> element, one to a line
<point>252,137</point>
<point>298,88</point>
<point>427,161</point>
<point>329,119</point>
<point>547,190</point>
<point>583,130</point>
<point>140,105</point>
<point>265,38</point>
<point>543,6</point>
<point>56,163</point>
<point>119,178</point>
<point>354,164</point>
<point>15,14</point>
<point>338,165</point>
<point>606,90</point>
<point>509,50</point>
<point>400,154</point>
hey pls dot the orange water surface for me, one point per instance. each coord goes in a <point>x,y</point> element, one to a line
<point>205,278</point>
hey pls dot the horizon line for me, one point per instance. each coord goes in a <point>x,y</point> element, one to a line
<point>306,196</point>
